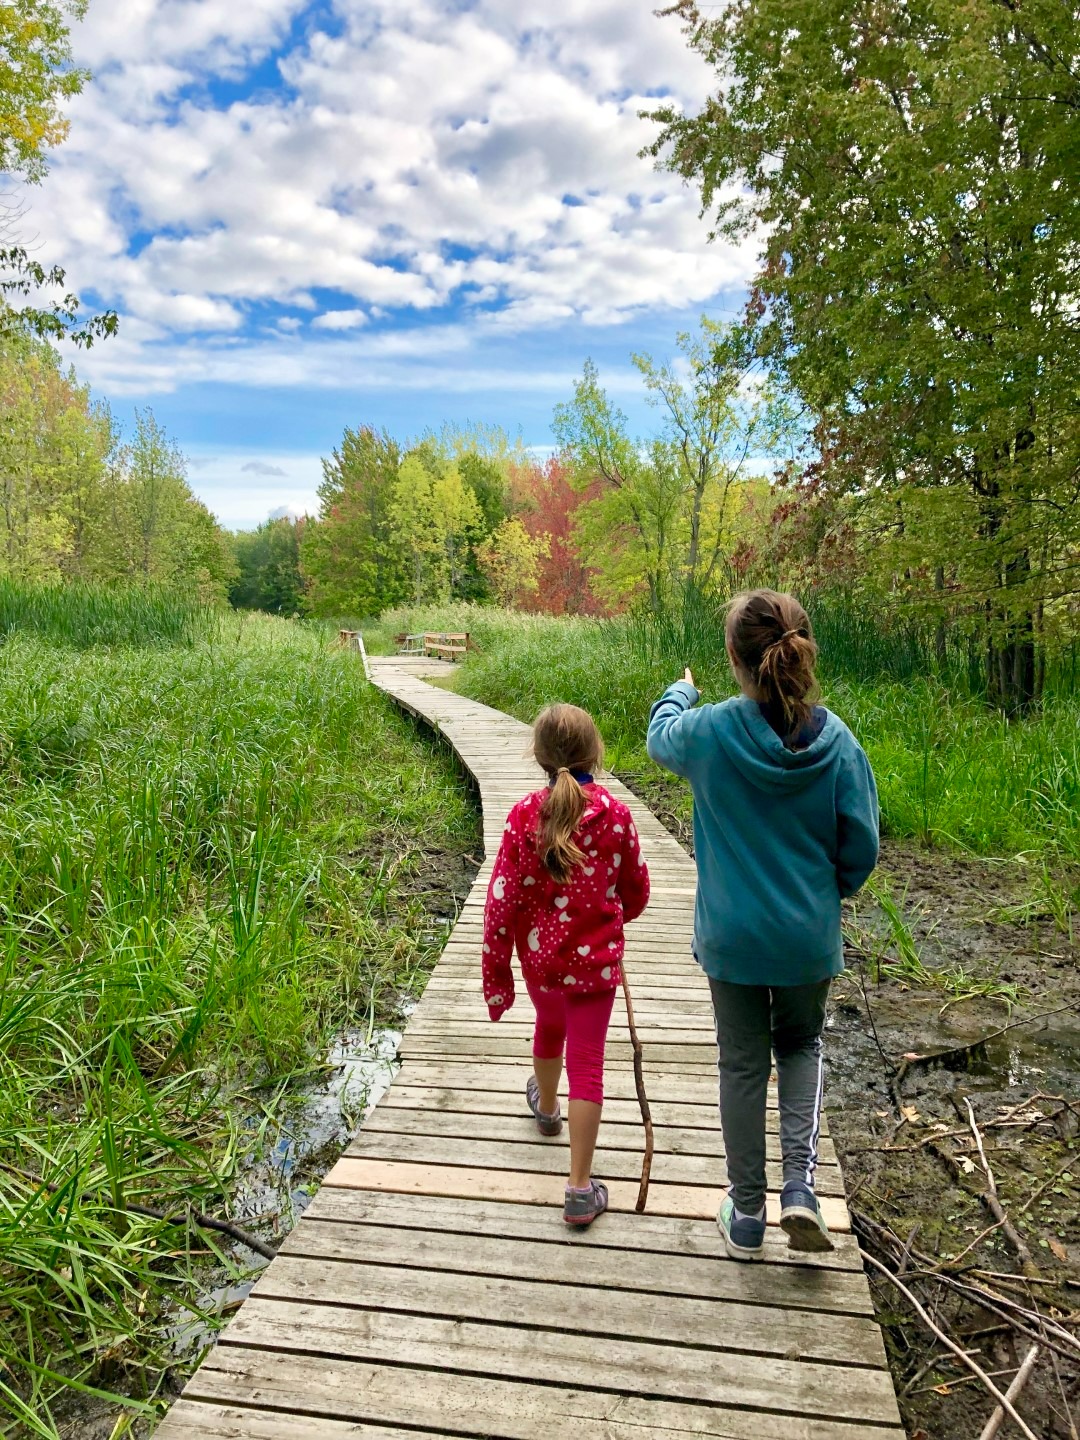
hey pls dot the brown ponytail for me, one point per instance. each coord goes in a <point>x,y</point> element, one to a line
<point>564,739</point>
<point>771,637</point>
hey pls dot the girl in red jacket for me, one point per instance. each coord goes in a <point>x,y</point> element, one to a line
<point>568,875</point>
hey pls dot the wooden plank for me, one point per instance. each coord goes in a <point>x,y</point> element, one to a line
<point>487,1406</point>
<point>552,1157</point>
<point>556,1262</point>
<point>698,1202</point>
<point>607,1362</point>
<point>658,1233</point>
<point>679,1130</point>
<point>203,1420</point>
<point>721,1322</point>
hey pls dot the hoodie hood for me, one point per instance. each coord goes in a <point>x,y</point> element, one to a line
<point>759,754</point>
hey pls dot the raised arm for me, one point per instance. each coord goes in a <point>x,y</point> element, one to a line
<point>666,742</point>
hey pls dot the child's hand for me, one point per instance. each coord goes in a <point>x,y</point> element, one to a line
<point>689,677</point>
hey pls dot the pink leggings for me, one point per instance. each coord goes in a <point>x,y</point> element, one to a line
<point>581,1023</point>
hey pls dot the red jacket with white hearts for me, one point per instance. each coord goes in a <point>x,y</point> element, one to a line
<point>568,935</point>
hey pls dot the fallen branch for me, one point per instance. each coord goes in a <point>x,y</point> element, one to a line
<point>950,1344</point>
<point>179,1217</point>
<point>994,1424</point>
<point>1016,1316</point>
<point>643,1099</point>
<point>993,1204</point>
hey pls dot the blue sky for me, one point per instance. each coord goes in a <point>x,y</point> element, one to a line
<point>310,215</point>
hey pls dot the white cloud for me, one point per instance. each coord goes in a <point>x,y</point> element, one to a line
<point>413,157</point>
<point>339,320</point>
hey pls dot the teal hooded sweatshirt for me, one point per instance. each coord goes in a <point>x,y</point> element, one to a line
<point>780,836</point>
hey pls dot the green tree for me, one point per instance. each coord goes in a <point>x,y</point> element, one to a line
<point>36,79</point>
<point>510,558</point>
<point>53,447</point>
<point>436,522</point>
<point>667,506</point>
<point>349,558</point>
<point>268,568</point>
<point>152,528</point>
<point>912,170</point>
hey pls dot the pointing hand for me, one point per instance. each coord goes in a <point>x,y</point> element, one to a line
<point>689,677</point>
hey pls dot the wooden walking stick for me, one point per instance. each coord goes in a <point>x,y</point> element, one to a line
<point>643,1099</point>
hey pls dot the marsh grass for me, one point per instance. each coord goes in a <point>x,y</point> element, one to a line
<point>950,771</point>
<point>208,854</point>
<point>83,615</point>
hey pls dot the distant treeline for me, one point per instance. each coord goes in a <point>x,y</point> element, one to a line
<point>80,501</point>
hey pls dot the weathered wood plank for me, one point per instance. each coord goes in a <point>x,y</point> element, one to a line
<point>720,1323</point>
<point>202,1420</point>
<point>607,1363</point>
<point>698,1202</point>
<point>805,1287</point>
<point>433,1145</point>
<point>486,1406</point>
<point>658,1233</point>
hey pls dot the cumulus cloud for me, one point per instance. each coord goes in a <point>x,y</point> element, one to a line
<point>369,163</point>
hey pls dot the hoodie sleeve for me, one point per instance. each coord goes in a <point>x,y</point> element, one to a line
<point>633,876</point>
<point>500,912</point>
<point>667,736</point>
<point>857,823</point>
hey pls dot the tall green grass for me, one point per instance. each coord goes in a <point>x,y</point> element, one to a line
<point>950,771</point>
<point>206,858</point>
<point>82,615</point>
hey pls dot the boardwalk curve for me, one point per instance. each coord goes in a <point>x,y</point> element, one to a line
<point>431,1289</point>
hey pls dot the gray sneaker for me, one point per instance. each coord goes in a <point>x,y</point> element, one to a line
<point>800,1219</point>
<point>546,1124</point>
<point>582,1209</point>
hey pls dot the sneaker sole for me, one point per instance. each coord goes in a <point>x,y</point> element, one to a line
<point>804,1232</point>
<point>740,1252</point>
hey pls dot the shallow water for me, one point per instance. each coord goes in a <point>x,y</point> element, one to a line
<point>313,1124</point>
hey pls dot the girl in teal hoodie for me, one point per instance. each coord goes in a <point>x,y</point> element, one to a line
<point>785,826</point>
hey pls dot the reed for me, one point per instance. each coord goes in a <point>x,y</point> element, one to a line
<point>82,615</point>
<point>207,859</point>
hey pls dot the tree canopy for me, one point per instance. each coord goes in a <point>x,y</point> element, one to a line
<point>911,170</point>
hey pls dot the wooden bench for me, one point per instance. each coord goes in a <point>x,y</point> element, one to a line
<point>445,646</point>
<point>438,644</point>
<point>349,639</point>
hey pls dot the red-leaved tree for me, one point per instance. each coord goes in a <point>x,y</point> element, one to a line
<point>545,502</point>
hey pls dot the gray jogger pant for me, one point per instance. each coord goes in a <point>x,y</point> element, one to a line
<point>753,1022</point>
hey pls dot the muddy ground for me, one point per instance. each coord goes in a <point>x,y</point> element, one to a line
<point>980,949</point>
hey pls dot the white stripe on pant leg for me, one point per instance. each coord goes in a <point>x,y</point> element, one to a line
<point>815,1133</point>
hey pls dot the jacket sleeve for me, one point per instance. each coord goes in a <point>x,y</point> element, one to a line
<point>856,823</point>
<point>666,741</point>
<point>633,875</point>
<point>500,912</point>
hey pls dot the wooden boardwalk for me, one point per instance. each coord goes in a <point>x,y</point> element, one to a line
<point>431,1288</point>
